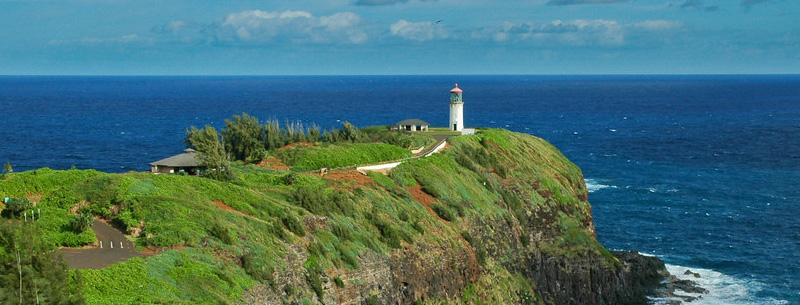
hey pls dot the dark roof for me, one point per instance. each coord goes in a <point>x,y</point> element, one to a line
<point>412,122</point>
<point>187,159</point>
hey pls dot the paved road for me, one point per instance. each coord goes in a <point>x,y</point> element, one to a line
<point>96,257</point>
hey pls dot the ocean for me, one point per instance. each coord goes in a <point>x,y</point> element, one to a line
<point>701,171</point>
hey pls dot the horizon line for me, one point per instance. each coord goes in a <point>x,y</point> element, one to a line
<point>437,75</point>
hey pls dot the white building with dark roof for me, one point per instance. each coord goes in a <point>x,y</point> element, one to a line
<point>412,125</point>
<point>186,162</point>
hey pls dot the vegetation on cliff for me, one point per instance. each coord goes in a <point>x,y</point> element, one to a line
<point>469,225</point>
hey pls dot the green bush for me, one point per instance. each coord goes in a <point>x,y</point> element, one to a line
<point>314,270</point>
<point>259,270</point>
<point>373,300</point>
<point>81,222</point>
<point>338,282</point>
<point>220,231</point>
<point>443,211</point>
<point>16,206</point>
<point>468,238</point>
<point>294,225</point>
<point>320,202</point>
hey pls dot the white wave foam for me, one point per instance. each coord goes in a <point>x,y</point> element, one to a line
<point>593,185</point>
<point>722,289</point>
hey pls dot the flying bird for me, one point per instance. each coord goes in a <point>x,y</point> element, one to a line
<point>439,21</point>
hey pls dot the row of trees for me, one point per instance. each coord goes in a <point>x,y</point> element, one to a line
<point>245,138</point>
<point>32,271</point>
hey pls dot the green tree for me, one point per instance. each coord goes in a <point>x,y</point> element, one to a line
<point>211,152</point>
<point>16,206</point>
<point>313,136</point>
<point>7,168</point>
<point>273,138</point>
<point>32,271</point>
<point>348,133</point>
<point>243,136</point>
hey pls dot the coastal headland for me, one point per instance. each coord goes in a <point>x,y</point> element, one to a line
<point>494,218</point>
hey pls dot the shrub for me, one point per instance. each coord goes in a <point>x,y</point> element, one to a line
<point>481,254</point>
<point>403,215</point>
<point>347,255</point>
<point>342,232</point>
<point>443,211</point>
<point>221,232</point>
<point>258,270</point>
<point>81,222</point>
<point>373,300</point>
<point>314,272</point>
<point>391,236</point>
<point>294,225</point>
<point>17,205</point>
<point>317,202</point>
<point>338,282</point>
<point>468,237</point>
<point>418,227</point>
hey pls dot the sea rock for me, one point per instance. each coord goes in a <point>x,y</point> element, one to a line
<point>675,289</point>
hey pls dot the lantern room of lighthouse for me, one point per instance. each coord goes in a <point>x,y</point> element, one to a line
<point>456,109</point>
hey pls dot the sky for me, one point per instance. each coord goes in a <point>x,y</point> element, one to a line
<point>416,37</point>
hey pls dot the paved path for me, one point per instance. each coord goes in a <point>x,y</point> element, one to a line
<point>386,167</point>
<point>116,248</point>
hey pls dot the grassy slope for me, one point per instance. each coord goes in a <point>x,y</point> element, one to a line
<point>496,175</point>
<point>340,155</point>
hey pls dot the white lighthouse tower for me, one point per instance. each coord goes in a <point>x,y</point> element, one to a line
<point>456,109</point>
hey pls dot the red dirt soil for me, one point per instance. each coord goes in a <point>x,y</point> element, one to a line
<point>350,178</point>
<point>223,206</point>
<point>295,144</point>
<point>226,207</point>
<point>273,163</point>
<point>423,198</point>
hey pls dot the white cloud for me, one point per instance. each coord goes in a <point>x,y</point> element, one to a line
<point>417,31</point>
<point>580,32</point>
<point>658,25</point>
<point>574,32</point>
<point>256,26</point>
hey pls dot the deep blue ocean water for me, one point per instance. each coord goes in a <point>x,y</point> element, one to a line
<point>702,171</point>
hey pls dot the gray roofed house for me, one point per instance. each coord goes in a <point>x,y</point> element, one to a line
<point>412,125</point>
<point>186,162</point>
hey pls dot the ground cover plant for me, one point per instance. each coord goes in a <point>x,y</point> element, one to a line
<point>217,239</point>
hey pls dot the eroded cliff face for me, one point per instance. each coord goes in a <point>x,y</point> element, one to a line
<point>523,234</point>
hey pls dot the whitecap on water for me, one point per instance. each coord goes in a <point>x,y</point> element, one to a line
<point>592,185</point>
<point>722,289</point>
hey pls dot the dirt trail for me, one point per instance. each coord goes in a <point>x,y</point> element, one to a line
<point>116,248</point>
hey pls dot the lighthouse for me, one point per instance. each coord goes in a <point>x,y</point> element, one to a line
<point>456,109</point>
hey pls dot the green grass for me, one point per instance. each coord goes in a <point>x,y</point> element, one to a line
<point>343,155</point>
<point>494,177</point>
<point>188,277</point>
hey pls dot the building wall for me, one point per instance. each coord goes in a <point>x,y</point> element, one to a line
<point>456,116</point>
<point>162,169</point>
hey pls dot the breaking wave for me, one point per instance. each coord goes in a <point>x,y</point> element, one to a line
<point>722,289</point>
<point>592,185</point>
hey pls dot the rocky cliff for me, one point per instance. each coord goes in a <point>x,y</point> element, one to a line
<point>512,226</point>
<point>495,218</point>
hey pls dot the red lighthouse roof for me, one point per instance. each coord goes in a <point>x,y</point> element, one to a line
<point>456,90</point>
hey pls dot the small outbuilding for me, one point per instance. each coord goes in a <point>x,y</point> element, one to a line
<point>186,162</point>
<point>412,125</point>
